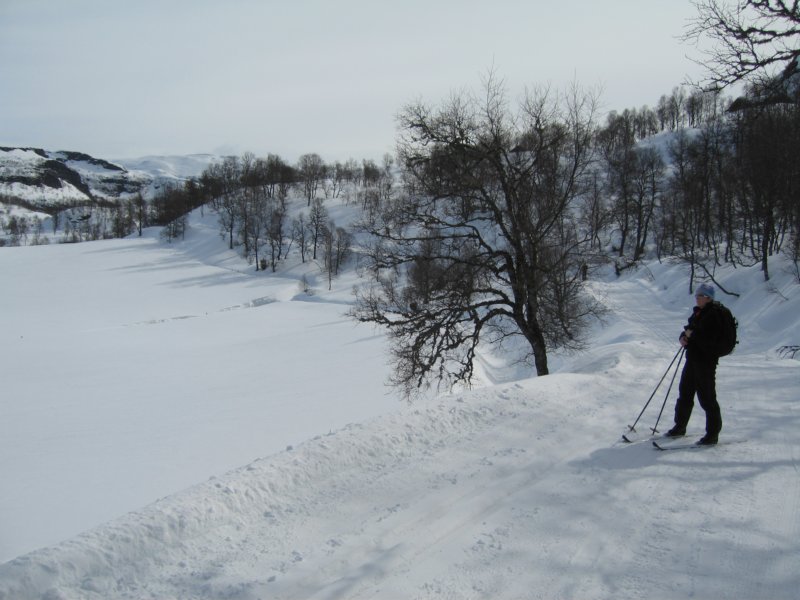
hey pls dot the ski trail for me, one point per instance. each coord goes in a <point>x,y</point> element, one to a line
<point>444,525</point>
<point>427,509</point>
<point>373,528</point>
<point>700,516</point>
<point>462,512</point>
<point>638,303</point>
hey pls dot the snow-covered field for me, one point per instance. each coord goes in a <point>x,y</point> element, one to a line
<point>174,425</point>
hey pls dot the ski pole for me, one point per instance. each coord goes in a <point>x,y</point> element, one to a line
<point>654,429</point>
<point>658,385</point>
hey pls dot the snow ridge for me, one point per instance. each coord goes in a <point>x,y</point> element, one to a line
<point>134,547</point>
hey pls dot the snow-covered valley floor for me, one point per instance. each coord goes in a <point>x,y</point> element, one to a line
<point>132,370</point>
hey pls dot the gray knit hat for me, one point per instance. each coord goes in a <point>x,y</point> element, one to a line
<point>705,290</point>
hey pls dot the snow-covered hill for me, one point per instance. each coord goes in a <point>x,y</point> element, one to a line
<point>46,179</point>
<point>163,170</point>
<point>176,425</point>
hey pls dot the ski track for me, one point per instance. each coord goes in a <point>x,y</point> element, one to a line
<point>392,540</point>
<point>475,491</point>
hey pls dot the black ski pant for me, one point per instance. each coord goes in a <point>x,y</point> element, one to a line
<point>699,378</point>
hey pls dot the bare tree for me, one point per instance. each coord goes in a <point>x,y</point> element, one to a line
<point>299,234</point>
<point>224,181</point>
<point>280,176</point>
<point>275,230</point>
<point>138,208</point>
<point>317,221</point>
<point>487,249</point>
<point>616,145</point>
<point>749,39</point>
<point>594,215</point>
<point>648,181</point>
<point>312,170</point>
<point>336,249</point>
<point>335,183</point>
<point>767,146</point>
<point>247,197</point>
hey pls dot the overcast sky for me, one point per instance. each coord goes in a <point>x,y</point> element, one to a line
<point>123,79</point>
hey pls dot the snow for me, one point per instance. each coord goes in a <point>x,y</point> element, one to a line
<point>146,174</point>
<point>176,425</point>
<point>16,157</point>
<point>170,167</point>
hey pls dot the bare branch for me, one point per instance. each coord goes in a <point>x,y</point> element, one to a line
<point>748,39</point>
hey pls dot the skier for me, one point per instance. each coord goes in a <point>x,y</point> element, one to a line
<point>700,339</point>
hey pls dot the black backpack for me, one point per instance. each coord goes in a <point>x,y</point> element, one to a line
<point>728,338</point>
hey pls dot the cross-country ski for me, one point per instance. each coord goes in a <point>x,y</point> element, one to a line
<point>690,445</point>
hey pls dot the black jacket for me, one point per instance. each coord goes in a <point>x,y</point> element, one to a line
<point>707,328</point>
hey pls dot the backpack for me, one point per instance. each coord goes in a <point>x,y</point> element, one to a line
<point>728,338</point>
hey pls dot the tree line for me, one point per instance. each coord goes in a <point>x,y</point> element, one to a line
<point>508,208</point>
<point>251,195</point>
<point>494,214</point>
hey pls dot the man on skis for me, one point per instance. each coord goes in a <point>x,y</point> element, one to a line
<point>700,338</point>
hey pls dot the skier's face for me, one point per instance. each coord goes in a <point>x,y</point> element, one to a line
<point>702,300</point>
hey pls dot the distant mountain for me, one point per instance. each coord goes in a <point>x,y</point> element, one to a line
<point>46,179</point>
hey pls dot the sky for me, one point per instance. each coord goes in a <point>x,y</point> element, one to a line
<point>121,79</point>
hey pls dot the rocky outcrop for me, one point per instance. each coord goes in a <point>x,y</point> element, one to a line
<point>49,179</point>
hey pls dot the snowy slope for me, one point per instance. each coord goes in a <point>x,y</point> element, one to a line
<point>158,171</point>
<point>46,178</point>
<point>132,371</point>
